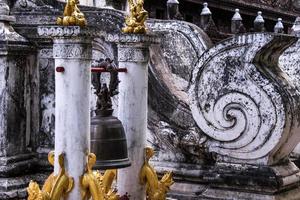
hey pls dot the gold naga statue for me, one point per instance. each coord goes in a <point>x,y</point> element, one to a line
<point>96,186</point>
<point>72,15</point>
<point>55,187</point>
<point>155,189</point>
<point>135,21</point>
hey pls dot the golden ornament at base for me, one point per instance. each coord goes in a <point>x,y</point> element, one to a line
<point>155,189</point>
<point>96,186</point>
<point>72,15</point>
<point>55,187</point>
<point>135,21</point>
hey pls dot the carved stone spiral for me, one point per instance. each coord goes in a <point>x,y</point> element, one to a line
<point>244,102</point>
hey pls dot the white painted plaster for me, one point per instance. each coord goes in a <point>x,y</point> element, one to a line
<point>72,98</point>
<point>133,114</point>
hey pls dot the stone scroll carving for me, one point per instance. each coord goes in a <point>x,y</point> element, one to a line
<point>244,101</point>
<point>172,128</point>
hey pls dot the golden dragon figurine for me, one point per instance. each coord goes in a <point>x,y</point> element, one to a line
<point>55,187</point>
<point>96,185</point>
<point>72,15</point>
<point>155,189</point>
<point>135,21</point>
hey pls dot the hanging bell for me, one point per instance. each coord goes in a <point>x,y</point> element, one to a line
<point>108,141</point>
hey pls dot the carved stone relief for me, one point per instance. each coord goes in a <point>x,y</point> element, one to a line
<point>71,51</point>
<point>244,102</point>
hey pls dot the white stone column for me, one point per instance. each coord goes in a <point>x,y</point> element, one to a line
<point>72,52</point>
<point>133,54</point>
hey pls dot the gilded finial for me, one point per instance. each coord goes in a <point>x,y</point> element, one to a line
<point>135,21</point>
<point>155,189</point>
<point>72,15</point>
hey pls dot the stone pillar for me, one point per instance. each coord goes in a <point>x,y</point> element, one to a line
<point>133,54</point>
<point>72,51</point>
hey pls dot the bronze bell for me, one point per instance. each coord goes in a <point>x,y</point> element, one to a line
<point>108,139</point>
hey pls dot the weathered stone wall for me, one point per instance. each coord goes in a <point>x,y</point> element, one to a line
<point>19,113</point>
<point>169,76</point>
<point>183,146</point>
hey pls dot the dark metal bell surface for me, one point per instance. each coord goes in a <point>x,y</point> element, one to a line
<point>108,141</point>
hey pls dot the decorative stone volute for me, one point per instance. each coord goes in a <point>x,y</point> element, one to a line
<point>244,102</point>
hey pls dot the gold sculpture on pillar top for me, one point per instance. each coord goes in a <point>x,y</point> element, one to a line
<point>135,21</point>
<point>55,187</point>
<point>96,186</point>
<point>155,189</point>
<point>72,15</point>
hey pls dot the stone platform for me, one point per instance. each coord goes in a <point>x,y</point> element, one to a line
<point>234,181</point>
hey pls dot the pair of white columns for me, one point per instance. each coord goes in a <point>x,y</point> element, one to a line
<point>72,52</point>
